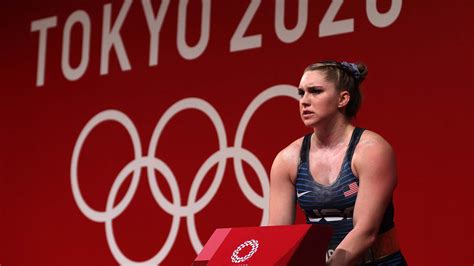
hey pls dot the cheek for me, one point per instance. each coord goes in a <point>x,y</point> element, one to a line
<point>328,103</point>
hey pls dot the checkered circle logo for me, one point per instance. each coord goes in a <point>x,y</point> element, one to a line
<point>236,258</point>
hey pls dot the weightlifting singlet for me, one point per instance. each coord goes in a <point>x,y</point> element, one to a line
<point>334,204</point>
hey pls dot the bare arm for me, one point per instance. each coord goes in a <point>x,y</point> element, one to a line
<point>375,165</point>
<point>282,189</point>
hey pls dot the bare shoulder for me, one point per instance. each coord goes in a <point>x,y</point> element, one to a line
<point>372,151</point>
<point>292,151</point>
<point>371,140</point>
<point>287,159</point>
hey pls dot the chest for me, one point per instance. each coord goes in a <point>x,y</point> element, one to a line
<point>325,165</point>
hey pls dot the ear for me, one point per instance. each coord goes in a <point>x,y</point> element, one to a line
<point>344,98</point>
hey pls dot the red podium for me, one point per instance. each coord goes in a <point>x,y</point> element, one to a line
<point>267,245</point>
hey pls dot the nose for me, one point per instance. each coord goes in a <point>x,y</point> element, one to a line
<point>304,101</point>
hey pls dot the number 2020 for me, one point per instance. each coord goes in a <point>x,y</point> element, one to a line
<point>327,27</point>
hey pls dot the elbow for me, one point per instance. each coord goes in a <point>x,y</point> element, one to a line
<point>369,235</point>
<point>371,239</point>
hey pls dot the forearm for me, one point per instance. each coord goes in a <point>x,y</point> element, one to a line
<point>282,212</point>
<point>352,248</point>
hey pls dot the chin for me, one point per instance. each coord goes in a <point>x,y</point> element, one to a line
<point>310,123</point>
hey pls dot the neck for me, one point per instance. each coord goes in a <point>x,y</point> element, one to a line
<point>332,134</point>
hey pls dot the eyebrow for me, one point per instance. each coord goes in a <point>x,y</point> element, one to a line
<point>312,87</point>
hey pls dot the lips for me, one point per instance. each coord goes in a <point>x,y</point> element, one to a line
<point>307,114</point>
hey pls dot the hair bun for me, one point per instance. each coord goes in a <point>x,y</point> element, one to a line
<point>363,71</point>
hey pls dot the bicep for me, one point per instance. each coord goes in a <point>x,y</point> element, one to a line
<point>376,169</point>
<point>282,193</point>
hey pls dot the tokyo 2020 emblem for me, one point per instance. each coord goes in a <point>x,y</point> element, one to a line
<point>238,258</point>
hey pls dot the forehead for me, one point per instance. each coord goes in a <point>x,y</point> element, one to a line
<point>314,78</point>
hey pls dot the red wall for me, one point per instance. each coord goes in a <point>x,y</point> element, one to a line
<point>418,96</point>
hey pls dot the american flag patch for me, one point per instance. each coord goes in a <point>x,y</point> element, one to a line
<point>353,188</point>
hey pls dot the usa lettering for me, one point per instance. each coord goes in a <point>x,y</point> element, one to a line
<point>112,43</point>
<point>329,253</point>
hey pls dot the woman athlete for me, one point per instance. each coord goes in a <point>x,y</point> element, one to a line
<point>339,174</point>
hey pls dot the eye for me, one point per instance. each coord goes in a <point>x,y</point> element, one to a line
<point>300,92</point>
<point>315,90</point>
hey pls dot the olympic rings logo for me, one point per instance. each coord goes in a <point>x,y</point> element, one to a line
<point>235,258</point>
<point>151,163</point>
